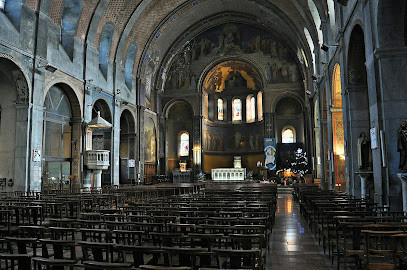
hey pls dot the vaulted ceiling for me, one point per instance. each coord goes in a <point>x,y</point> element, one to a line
<point>164,25</point>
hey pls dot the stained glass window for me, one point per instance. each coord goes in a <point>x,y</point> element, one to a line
<point>184,144</point>
<point>260,106</point>
<point>288,136</point>
<point>237,110</point>
<point>2,4</point>
<point>250,108</point>
<point>220,109</point>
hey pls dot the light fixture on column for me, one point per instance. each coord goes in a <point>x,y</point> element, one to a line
<point>49,68</point>
<point>325,47</point>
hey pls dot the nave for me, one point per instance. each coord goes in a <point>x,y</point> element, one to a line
<point>292,244</point>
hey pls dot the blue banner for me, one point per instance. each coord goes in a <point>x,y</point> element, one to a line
<point>270,153</point>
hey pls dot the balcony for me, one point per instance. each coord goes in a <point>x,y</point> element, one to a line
<point>97,159</point>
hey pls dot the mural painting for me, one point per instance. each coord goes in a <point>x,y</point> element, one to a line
<point>231,74</point>
<point>149,141</point>
<point>229,139</point>
<point>231,40</point>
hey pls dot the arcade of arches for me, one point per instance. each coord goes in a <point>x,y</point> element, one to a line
<point>199,83</point>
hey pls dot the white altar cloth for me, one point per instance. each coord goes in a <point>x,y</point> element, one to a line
<point>229,174</point>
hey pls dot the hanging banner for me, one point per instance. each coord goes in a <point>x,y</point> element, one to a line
<point>270,153</point>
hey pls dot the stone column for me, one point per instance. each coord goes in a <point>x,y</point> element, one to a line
<point>87,114</point>
<point>364,177</point>
<point>269,125</point>
<point>140,167</point>
<point>97,179</point>
<point>392,100</point>
<point>403,179</point>
<point>115,144</point>
<point>197,142</point>
<point>20,152</point>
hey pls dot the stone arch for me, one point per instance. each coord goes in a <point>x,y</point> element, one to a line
<point>26,89</point>
<point>69,132</point>
<point>14,124</point>
<point>104,108</point>
<point>311,46</point>
<point>286,94</point>
<point>172,102</point>
<point>179,118</point>
<point>317,20</point>
<point>220,60</point>
<point>356,57</point>
<point>127,148</point>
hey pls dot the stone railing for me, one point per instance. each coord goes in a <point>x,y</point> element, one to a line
<point>97,159</point>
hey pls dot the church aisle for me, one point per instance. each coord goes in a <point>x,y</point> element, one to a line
<point>292,245</point>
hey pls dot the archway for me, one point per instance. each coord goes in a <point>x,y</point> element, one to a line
<point>338,131</point>
<point>102,138</point>
<point>179,119</point>
<point>61,139</point>
<point>127,148</point>
<point>14,96</point>
<point>232,115</point>
<point>289,132</point>
<point>358,110</point>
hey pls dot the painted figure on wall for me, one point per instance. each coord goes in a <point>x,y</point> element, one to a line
<point>149,141</point>
<point>232,39</point>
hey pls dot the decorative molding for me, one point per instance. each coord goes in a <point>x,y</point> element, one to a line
<point>21,87</point>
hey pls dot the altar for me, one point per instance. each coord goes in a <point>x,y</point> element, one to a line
<point>229,174</point>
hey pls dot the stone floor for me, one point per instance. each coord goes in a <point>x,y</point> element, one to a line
<point>292,245</point>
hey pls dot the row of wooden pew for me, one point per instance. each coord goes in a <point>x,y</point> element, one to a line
<point>355,232</point>
<point>222,226</point>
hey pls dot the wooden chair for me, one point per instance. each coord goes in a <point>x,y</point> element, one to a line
<point>56,254</point>
<point>141,255</point>
<point>96,235</point>
<point>379,249</point>
<point>102,256</point>
<point>238,259</point>
<point>20,252</point>
<point>186,256</point>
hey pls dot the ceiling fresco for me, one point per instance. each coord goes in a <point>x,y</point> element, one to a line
<point>231,74</point>
<point>232,40</point>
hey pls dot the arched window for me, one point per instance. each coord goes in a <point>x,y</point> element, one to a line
<point>57,138</point>
<point>128,68</point>
<point>237,110</point>
<point>70,20</point>
<point>220,109</point>
<point>250,108</point>
<point>2,4</point>
<point>106,39</point>
<point>288,135</point>
<point>184,144</point>
<point>259,106</point>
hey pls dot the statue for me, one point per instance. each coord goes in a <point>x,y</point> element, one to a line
<point>364,152</point>
<point>402,145</point>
